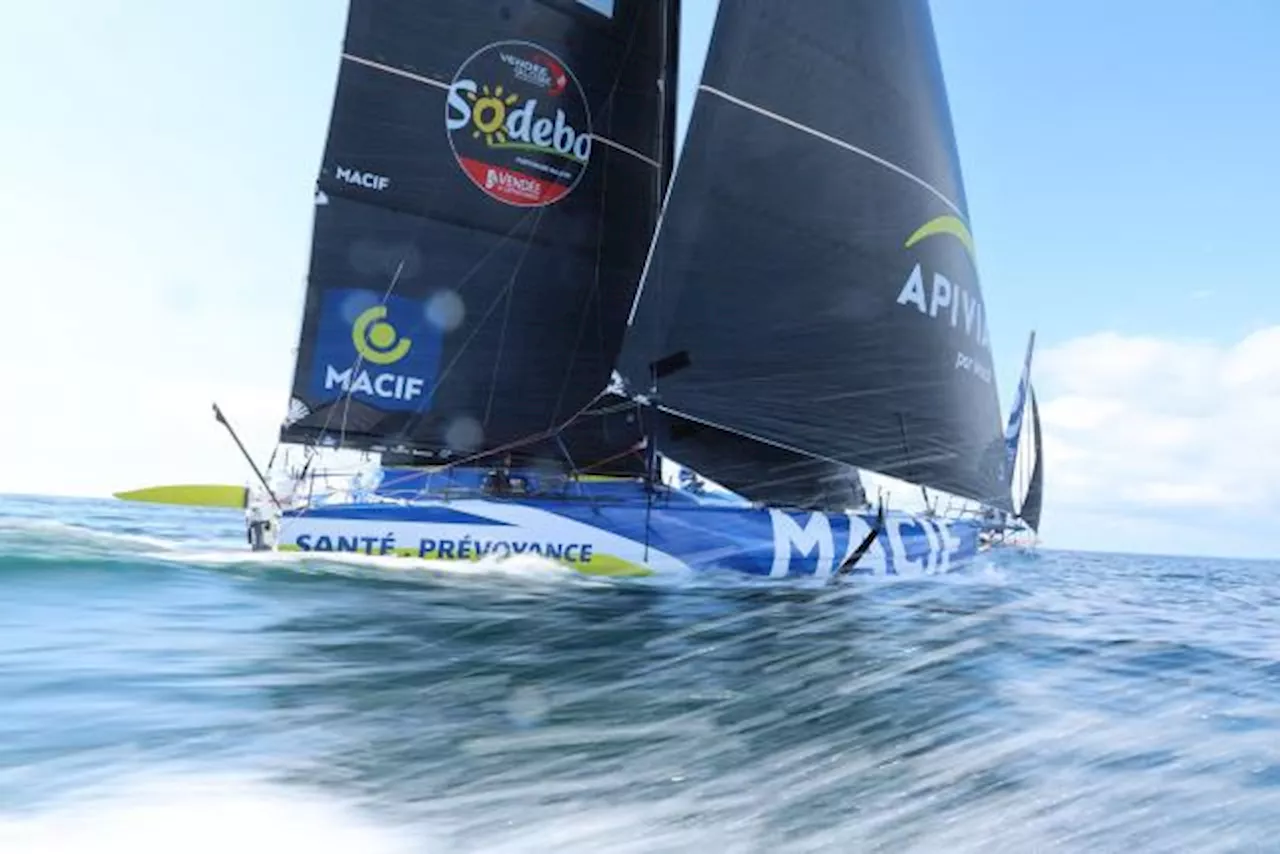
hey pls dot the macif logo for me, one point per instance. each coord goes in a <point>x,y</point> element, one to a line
<point>384,353</point>
<point>368,180</point>
<point>376,340</point>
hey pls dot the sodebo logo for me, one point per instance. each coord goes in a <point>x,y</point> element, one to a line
<point>369,357</point>
<point>519,124</point>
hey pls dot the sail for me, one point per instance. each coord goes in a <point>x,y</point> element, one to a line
<point>760,472</point>
<point>1013,429</point>
<point>813,285</point>
<point>1032,504</point>
<point>491,181</point>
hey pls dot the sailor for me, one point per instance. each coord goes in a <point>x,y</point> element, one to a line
<point>260,528</point>
<point>500,481</point>
<point>690,482</point>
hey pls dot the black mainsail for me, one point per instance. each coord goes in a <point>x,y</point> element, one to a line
<point>812,293</point>
<point>492,178</point>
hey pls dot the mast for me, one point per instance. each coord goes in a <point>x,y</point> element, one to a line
<point>491,181</point>
<point>812,294</point>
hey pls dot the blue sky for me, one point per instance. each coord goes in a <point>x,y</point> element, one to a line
<point>1118,157</point>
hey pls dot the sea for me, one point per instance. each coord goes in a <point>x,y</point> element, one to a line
<point>164,690</point>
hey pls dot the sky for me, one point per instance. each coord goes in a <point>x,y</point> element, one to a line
<point>1119,162</point>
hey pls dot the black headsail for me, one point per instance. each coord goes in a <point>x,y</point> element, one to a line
<point>813,294</point>
<point>491,182</point>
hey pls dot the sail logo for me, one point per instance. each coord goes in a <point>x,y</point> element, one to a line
<point>541,71</point>
<point>368,180</point>
<point>945,300</point>
<point>376,340</point>
<point>818,544</point>
<point>522,148</point>
<point>511,184</point>
<point>382,353</point>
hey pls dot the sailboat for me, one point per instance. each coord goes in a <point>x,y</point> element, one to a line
<point>526,309</point>
<point>1026,464</point>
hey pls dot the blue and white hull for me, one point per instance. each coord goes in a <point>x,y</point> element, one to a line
<point>622,534</point>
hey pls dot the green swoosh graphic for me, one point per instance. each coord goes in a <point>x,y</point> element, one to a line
<point>536,149</point>
<point>945,225</point>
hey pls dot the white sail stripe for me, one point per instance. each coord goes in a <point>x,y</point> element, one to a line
<point>430,81</point>
<point>440,84</point>
<point>625,150</point>
<point>847,146</point>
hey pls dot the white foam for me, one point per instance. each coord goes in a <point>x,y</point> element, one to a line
<point>530,567</point>
<point>202,815</point>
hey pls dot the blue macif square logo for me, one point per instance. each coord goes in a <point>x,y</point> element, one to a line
<point>384,353</point>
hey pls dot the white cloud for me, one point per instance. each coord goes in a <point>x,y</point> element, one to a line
<point>1162,445</point>
<point>1155,445</point>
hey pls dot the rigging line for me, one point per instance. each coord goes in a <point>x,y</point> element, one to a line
<point>564,449</point>
<point>294,351</point>
<point>417,414</point>
<point>592,297</point>
<point>635,447</point>
<point>497,359</point>
<point>448,369</point>
<point>653,245</point>
<point>470,274</point>
<point>851,562</point>
<point>506,314</point>
<point>525,440</point>
<point>653,241</point>
<point>664,195</point>
<point>880,469</point>
<point>906,450</point>
<point>653,474</point>
<point>664,87</point>
<point>613,408</point>
<point>613,91</point>
<point>493,250</point>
